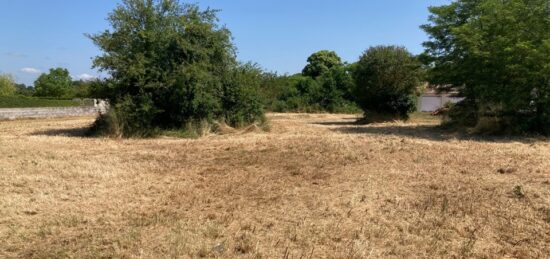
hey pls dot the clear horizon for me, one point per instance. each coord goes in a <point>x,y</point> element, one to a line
<point>277,35</point>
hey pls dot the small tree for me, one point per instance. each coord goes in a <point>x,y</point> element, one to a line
<point>7,85</point>
<point>171,65</point>
<point>56,84</point>
<point>386,78</point>
<point>321,62</point>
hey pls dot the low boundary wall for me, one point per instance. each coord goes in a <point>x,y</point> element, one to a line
<point>54,112</point>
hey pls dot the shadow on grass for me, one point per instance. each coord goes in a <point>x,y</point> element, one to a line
<point>81,132</point>
<point>431,132</point>
<point>348,121</point>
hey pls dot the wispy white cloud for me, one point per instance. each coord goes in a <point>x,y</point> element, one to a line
<point>31,70</point>
<point>15,55</point>
<point>86,77</point>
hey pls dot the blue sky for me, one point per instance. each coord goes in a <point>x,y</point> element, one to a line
<point>279,35</point>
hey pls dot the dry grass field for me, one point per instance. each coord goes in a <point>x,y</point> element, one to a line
<point>316,186</point>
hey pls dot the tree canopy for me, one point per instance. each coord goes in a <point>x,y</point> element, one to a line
<point>386,79</point>
<point>172,64</point>
<point>55,84</point>
<point>321,62</point>
<point>498,52</point>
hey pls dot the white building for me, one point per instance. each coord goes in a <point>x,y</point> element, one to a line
<point>431,100</point>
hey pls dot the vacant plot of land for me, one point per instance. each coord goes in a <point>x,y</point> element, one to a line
<point>316,186</point>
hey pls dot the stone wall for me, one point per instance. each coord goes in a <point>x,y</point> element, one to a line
<point>34,113</point>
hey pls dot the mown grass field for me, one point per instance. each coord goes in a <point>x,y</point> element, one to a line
<point>316,186</point>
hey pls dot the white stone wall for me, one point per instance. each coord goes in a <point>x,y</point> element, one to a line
<point>432,103</point>
<point>34,113</point>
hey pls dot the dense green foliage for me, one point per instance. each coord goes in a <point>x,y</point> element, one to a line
<point>7,86</point>
<point>81,88</point>
<point>29,102</point>
<point>172,65</point>
<point>23,90</point>
<point>325,86</point>
<point>321,62</point>
<point>387,78</point>
<point>55,84</point>
<point>498,52</point>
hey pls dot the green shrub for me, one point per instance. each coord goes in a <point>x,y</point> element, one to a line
<point>386,79</point>
<point>325,86</point>
<point>176,70</point>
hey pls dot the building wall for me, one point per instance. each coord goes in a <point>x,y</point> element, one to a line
<point>100,107</point>
<point>433,103</point>
<point>34,113</point>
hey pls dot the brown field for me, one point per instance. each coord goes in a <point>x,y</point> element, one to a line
<point>316,186</point>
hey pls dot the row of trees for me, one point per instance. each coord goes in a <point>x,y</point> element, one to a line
<point>326,84</point>
<point>172,65</point>
<point>383,83</point>
<point>56,84</point>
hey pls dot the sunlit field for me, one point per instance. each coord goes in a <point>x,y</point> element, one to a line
<point>315,186</point>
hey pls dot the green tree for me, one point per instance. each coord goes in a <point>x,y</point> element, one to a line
<point>81,88</point>
<point>321,62</point>
<point>498,52</point>
<point>172,65</point>
<point>386,79</point>
<point>325,86</point>
<point>7,85</point>
<point>24,90</point>
<point>55,84</point>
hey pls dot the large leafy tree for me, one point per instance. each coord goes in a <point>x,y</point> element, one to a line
<point>321,62</point>
<point>171,64</point>
<point>56,84</point>
<point>498,51</point>
<point>386,80</point>
<point>7,86</point>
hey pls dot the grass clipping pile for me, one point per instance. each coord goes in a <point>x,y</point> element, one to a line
<point>316,186</point>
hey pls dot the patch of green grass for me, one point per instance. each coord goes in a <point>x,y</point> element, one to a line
<point>28,102</point>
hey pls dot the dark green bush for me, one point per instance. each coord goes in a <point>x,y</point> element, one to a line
<point>325,86</point>
<point>386,79</point>
<point>172,66</point>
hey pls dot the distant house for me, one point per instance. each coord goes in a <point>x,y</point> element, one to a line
<point>432,100</point>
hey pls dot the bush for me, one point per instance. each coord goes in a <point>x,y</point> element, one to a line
<point>325,86</point>
<point>176,70</point>
<point>386,79</point>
